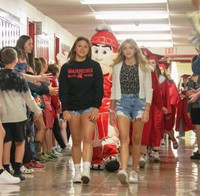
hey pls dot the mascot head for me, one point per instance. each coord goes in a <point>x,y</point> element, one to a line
<point>104,47</point>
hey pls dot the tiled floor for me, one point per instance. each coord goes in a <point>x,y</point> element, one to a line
<point>176,174</point>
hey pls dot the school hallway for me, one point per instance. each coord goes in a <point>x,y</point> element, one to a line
<point>176,174</point>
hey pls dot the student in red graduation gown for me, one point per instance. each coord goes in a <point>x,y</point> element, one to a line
<point>169,119</point>
<point>152,129</point>
<point>183,120</point>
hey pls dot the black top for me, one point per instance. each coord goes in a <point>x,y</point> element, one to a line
<point>81,85</point>
<point>11,80</point>
<point>129,79</point>
<point>39,89</point>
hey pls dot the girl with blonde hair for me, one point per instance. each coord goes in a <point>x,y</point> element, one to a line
<point>131,96</point>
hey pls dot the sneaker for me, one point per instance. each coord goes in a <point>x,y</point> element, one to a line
<point>196,155</point>
<point>122,176</point>
<point>175,144</point>
<point>156,157</point>
<point>67,150</point>
<point>162,141</point>
<point>142,161</point>
<point>34,165</point>
<point>26,170</point>
<point>59,154</point>
<point>196,152</point>
<point>77,177</point>
<point>85,176</point>
<point>97,165</point>
<point>48,157</point>
<point>40,158</point>
<point>133,177</point>
<point>19,176</point>
<point>54,156</point>
<point>7,178</point>
<point>111,163</point>
<point>58,149</point>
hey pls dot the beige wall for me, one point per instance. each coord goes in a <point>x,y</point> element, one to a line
<point>25,12</point>
<point>178,69</point>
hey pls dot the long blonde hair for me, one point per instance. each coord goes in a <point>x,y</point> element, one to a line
<point>140,59</point>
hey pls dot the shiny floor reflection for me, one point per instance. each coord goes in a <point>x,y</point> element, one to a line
<point>176,174</point>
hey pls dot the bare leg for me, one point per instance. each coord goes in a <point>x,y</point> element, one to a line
<point>171,134</point>
<point>63,132</point>
<point>40,129</point>
<point>48,140</point>
<point>87,130</point>
<point>6,152</point>
<point>75,126</point>
<point>143,149</point>
<point>124,127</point>
<point>19,151</point>
<point>136,142</point>
<point>2,135</point>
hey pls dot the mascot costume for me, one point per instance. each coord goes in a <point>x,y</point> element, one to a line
<point>106,137</point>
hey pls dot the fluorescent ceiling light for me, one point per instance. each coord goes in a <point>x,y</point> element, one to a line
<point>145,36</point>
<point>125,15</point>
<point>122,1</point>
<point>140,27</point>
<point>156,44</point>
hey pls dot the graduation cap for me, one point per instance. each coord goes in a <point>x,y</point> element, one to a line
<point>164,65</point>
<point>155,57</point>
<point>185,76</point>
<point>146,52</point>
<point>151,56</point>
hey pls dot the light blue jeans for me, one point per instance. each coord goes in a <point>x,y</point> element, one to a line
<point>79,112</point>
<point>131,106</point>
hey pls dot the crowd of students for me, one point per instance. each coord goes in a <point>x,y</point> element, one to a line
<point>38,115</point>
<point>31,112</point>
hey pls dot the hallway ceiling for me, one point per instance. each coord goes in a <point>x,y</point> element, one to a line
<point>79,19</point>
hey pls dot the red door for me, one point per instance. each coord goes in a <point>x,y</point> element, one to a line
<point>57,47</point>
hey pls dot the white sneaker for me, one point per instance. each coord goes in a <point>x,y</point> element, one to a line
<point>7,178</point>
<point>59,154</point>
<point>156,157</point>
<point>133,177</point>
<point>162,141</point>
<point>85,176</point>
<point>142,161</point>
<point>25,170</point>
<point>122,176</point>
<point>67,150</point>
<point>77,177</point>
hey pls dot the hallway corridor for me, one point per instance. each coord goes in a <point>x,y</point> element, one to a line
<point>176,174</point>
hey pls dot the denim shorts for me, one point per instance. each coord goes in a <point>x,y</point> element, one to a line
<point>131,106</point>
<point>79,112</point>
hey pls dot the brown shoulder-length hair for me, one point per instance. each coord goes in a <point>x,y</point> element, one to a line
<point>53,68</point>
<point>20,44</point>
<point>38,66</point>
<point>72,52</point>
